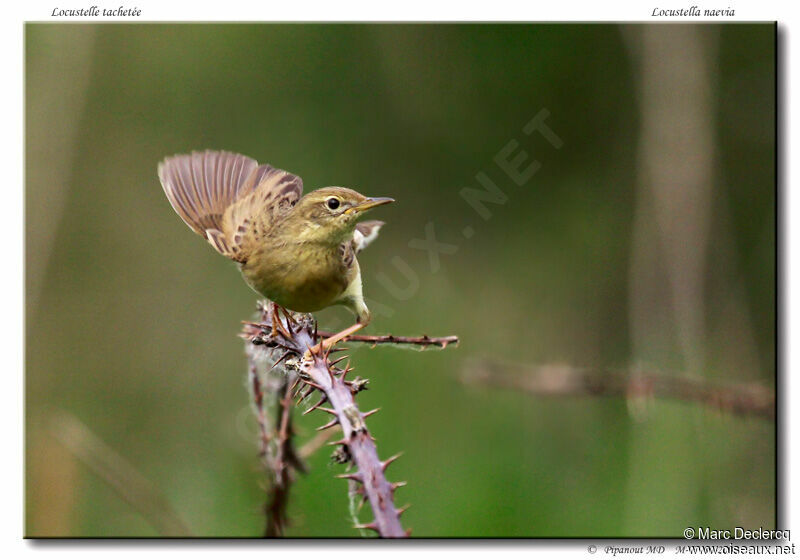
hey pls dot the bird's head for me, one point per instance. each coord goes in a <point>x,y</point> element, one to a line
<point>330,214</point>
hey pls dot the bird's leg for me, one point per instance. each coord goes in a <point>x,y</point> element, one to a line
<point>277,325</point>
<point>273,314</point>
<point>291,320</point>
<point>330,342</point>
<point>363,317</point>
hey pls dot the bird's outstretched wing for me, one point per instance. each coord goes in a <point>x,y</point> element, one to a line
<point>218,194</point>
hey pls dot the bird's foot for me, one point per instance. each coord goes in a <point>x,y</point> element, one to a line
<point>277,324</point>
<point>289,318</point>
<point>326,344</point>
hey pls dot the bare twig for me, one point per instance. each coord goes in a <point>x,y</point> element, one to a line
<point>563,380</point>
<point>315,443</point>
<point>424,341</point>
<point>123,477</point>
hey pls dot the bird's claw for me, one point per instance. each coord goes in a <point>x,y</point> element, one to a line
<point>277,324</point>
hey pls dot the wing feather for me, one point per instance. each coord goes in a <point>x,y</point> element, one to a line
<point>272,189</point>
<point>218,194</point>
<point>366,233</point>
<point>201,185</point>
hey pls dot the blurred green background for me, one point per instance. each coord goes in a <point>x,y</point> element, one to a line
<point>131,319</point>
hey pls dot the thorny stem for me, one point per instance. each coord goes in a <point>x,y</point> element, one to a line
<point>257,394</point>
<point>319,374</point>
<point>563,380</point>
<point>361,448</point>
<point>276,446</point>
<point>279,494</point>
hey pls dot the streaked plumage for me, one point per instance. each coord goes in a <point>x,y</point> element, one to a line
<point>299,251</point>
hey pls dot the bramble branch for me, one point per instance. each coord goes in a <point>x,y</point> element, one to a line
<point>270,392</point>
<point>562,380</point>
<point>284,459</point>
<point>291,339</point>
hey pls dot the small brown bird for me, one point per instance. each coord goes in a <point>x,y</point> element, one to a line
<point>298,252</point>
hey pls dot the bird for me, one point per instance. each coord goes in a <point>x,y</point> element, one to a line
<point>298,251</point>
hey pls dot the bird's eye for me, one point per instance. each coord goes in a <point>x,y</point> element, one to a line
<point>333,203</point>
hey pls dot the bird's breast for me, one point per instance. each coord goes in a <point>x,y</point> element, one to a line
<point>303,277</point>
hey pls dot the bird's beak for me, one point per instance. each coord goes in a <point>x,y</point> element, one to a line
<point>369,203</point>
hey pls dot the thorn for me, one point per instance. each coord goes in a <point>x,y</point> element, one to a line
<point>279,360</point>
<point>295,384</point>
<point>395,485</point>
<point>308,390</point>
<point>337,360</point>
<point>342,441</point>
<point>316,406</point>
<point>402,510</point>
<point>347,369</point>
<point>289,318</point>
<point>370,413</point>
<point>330,424</point>
<point>326,352</point>
<point>334,350</point>
<point>363,498</point>
<point>390,460</point>
<point>304,396</point>
<point>311,353</point>
<point>328,410</point>
<point>314,385</point>
<point>357,477</point>
<point>408,532</point>
<point>281,329</point>
<point>373,526</point>
<point>289,321</point>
